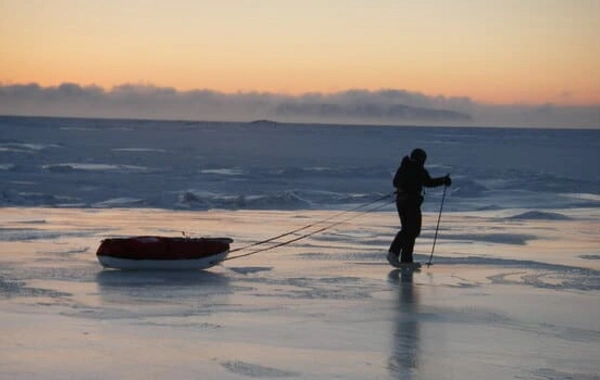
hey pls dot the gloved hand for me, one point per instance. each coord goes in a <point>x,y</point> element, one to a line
<point>447,180</point>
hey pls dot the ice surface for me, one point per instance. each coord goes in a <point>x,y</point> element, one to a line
<point>169,164</point>
<point>327,306</point>
<point>513,291</point>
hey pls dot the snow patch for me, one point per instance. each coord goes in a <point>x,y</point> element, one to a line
<point>120,202</point>
<point>590,257</point>
<point>223,171</point>
<point>256,370</point>
<point>66,167</point>
<point>539,215</point>
<point>249,270</point>
<point>498,238</point>
<point>141,150</point>
<point>26,234</point>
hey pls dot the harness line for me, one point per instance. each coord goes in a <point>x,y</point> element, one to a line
<point>328,226</point>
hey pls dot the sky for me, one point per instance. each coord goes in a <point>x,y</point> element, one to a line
<point>494,55</point>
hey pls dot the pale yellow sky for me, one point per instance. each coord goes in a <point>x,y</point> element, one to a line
<point>494,51</point>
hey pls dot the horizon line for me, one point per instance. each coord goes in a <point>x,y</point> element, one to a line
<point>149,85</point>
<point>294,123</point>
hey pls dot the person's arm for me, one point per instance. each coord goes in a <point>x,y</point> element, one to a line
<point>435,182</point>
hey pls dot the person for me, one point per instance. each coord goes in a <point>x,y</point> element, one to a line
<point>409,180</point>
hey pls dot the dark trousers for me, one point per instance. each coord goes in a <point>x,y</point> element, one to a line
<point>409,211</point>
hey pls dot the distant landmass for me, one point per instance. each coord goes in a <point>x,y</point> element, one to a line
<point>369,110</point>
<point>264,121</point>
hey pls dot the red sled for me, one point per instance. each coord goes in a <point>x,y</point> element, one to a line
<point>162,253</point>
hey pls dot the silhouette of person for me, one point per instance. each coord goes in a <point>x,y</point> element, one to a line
<point>409,181</point>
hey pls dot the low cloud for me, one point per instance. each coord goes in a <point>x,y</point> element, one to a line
<point>389,106</point>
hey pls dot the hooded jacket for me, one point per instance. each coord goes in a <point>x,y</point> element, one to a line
<point>411,177</point>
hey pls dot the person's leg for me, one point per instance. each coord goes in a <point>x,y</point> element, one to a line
<point>412,229</point>
<point>397,242</point>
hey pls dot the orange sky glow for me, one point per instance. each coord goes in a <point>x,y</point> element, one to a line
<point>497,51</point>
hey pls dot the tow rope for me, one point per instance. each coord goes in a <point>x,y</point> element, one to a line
<point>306,235</point>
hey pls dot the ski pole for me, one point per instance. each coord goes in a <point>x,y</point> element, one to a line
<point>437,227</point>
